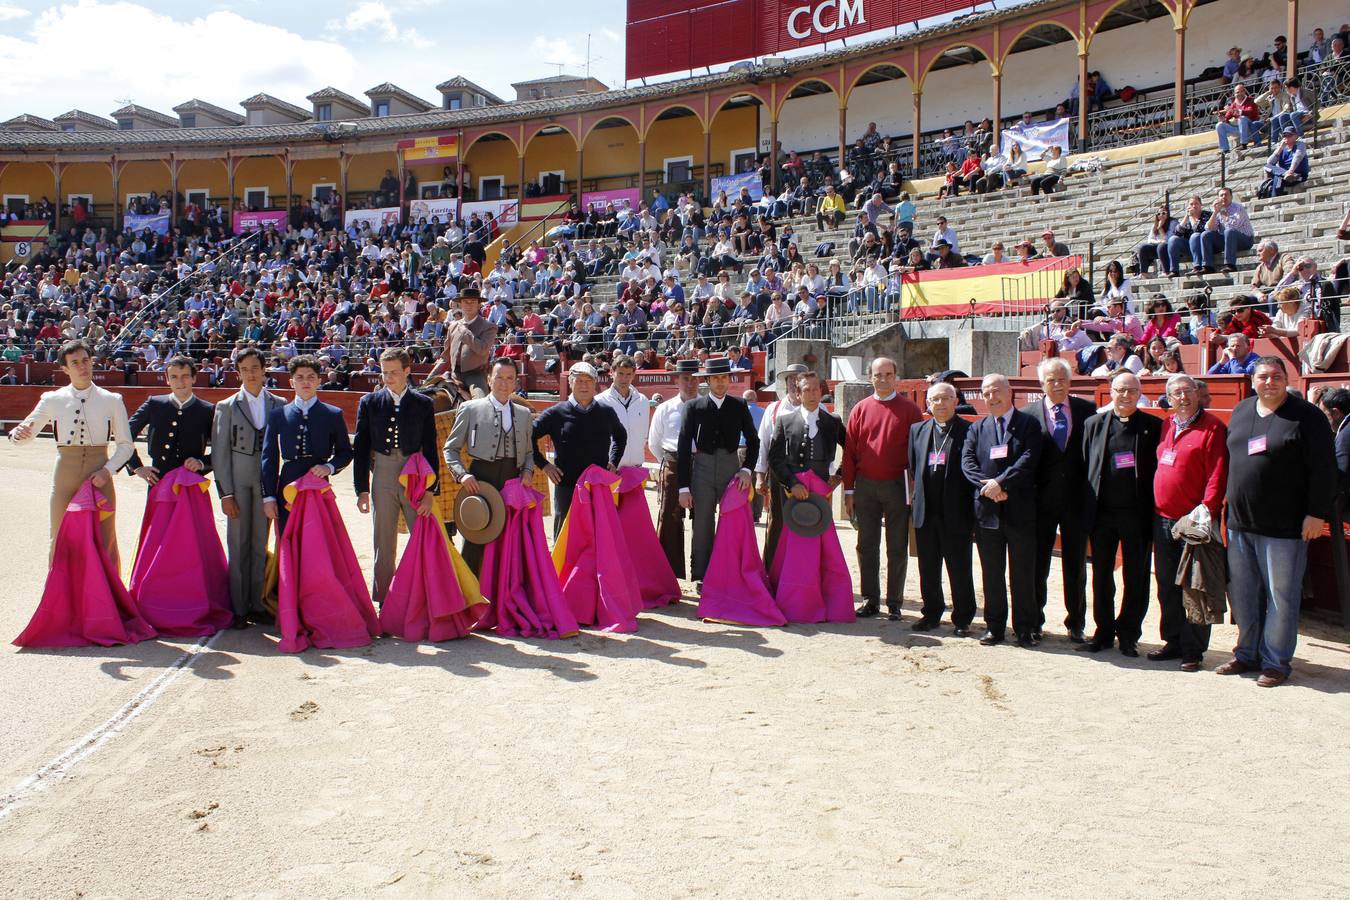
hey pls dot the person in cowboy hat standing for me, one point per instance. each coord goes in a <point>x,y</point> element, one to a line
<point>499,436</point>
<point>707,458</point>
<point>468,345</point>
<point>664,440</point>
<point>584,433</point>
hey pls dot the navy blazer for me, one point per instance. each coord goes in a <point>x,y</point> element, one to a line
<point>325,441</point>
<point>1016,472</point>
<point>1060,473</point>
<point>378,419</point>
<point>1343,455</point>
<point>173,435</point>
<point>958,494</point>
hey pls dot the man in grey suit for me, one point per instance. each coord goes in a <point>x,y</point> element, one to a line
<point>236,444</point>
<point>499,436</point>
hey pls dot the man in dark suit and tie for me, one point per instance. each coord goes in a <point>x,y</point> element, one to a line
<point>305,435</point>
<point>392,424</point>
<point>706,459</point>
<point>1059,493</point>
<point>1120,447</point>
<point>943,511</point>
<point>999,458</point>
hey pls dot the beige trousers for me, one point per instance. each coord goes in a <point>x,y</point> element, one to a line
<point>387,496</point>
<point>74,466</point>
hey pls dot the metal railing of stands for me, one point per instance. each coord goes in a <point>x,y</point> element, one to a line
<point>1131,123</point>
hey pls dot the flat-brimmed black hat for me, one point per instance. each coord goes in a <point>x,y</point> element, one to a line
<point>719,366</point>
<point>470,293</point>
<point>686,367</point>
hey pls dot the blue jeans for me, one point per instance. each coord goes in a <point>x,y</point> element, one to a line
<point>1226,130</point>
<point>1286,120</point>
<point>1205,243</point>
<point>1177,247</point>
<point>1271,570</point>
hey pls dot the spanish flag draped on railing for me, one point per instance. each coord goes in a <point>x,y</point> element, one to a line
<point>998,289</point>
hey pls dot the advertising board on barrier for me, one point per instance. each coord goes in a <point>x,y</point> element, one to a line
<point>444,209</point>
<point>732,184</point>
<point>666,36</point>
<point>252,221</point>
<point>158,222</point>
<point>599,198</point>
<point>506,211</point>
<point>375,218</point>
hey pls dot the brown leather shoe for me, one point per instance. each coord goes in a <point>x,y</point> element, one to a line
<point>1191,665</point>
<point>1271,678</point>
<point>1234,666</point>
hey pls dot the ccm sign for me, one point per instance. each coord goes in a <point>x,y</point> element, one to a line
<point>670,35</point>
<point>831,15</point>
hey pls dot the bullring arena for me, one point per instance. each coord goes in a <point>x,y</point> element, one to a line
<point>683,226</point>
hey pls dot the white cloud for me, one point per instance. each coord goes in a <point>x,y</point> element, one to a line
<point>372,19</point>
<point>246,57</point>
<point>8,12</point>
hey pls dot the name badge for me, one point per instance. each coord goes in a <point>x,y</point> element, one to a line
<point>937,458</point>
<point>999,451</point>
<point>1168,458</point>
<point>1256,445</point>
<point>1123,460</point>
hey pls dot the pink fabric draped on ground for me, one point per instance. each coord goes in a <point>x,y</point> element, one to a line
<point>433,596</point>
<point>518,576</point>
<point>809,575</point>
<point>656,580</point>
<point>592,557</point>
<point>322,599</point>
<point>735,587</point>
<point>84,601</point>
<point>180,580</point>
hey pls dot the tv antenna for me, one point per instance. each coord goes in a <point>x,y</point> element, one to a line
<point>560,66</point>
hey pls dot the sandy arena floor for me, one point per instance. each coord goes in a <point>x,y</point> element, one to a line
<point>685,760</point>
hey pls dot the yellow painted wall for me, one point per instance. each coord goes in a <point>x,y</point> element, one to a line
<point>142,177</point>
<point>494,158</point>
<point>551,153</point>
<point>33,179</point>
<point>305,173</point>
<point>88,178</point>
<point>260,172</point>
<point>196,174</point>
<point>365,170</point>
<point>732,129</point>
<point>611,152</point>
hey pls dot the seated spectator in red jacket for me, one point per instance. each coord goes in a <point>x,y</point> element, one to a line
<point>1243,317</point>
<point>1237,118</point>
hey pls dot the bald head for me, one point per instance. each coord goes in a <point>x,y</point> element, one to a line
<point>997,393</point>
<point>1125,392</point>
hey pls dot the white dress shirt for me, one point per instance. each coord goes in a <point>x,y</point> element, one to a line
<point>766,424</point>
<point>635,413</point>
<point>664,436</point>
<point>503,413</point>
<point>92,417</point>
<point>257,409</point>
<point>811,417</point>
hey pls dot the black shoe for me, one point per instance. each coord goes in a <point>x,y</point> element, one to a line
<point>1164,653</point>
<point>1036,636</point>
<point>262,618</point>
<point>1131,650</point>
<point>1024,639</point>
<point>239,623</point>
<point>1076,635</point>
<point>990,639</point>
<point>869,609</point>
<point>893,613</point>
<point>961,631</point>
<point>1096,645</point>
<point>924,625</point>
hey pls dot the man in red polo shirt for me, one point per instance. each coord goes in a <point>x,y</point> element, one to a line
<point>1192,469</point>
<point>876,455</point>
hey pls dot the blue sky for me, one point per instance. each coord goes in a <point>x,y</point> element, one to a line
<point>97,55</point>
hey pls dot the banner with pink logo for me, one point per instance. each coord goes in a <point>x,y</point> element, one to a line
<point>252,221</point>
<point>597,199</point>
<point>375,218</point>
<point>506,211</point>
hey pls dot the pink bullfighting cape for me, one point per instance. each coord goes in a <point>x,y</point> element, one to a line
<point>433,596</point>
<point>735,587</point>
<point>84,602</point>
<point>656,579</point>
<point>518,576</point>
<point>809,576</point>
<point>592,557</point>
<point>322,598</point>
<point>180,580</point>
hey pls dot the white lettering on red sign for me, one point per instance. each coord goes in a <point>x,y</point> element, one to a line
<point>843,14</point>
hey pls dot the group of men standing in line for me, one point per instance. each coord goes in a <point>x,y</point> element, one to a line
<point>1009,484</point>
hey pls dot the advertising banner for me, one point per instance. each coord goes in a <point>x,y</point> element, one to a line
<point>600,198</point>
<point>158,222</point>
<point>445,209</point>
<point>506,211</point>
<point>252,221</point>
<point>375,218</point>
<point>732,184</point>
<point>1036,140</point>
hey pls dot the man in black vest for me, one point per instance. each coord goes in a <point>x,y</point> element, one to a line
<point>392,424</point>
<point>943,511</point>
<point>1120,447</point>
<point>999,458</point>
<point>178,426</point>
<point>1059,493</point>
<point>707,458</point>
<point>806,440</point>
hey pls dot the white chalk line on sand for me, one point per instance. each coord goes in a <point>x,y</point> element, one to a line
<point>59,767</point>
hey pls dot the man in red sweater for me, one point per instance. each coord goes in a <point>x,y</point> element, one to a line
<point>1192,469</point>
<point>876,455</point>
